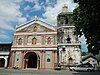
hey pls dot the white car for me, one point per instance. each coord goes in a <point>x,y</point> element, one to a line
<point>82,68</point>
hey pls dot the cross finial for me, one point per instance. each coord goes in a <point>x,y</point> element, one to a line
<point>36,18</point>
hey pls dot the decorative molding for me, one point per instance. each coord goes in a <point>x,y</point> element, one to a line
<point>33,22</point>
<point>35,33</point>
<point>24,49</point>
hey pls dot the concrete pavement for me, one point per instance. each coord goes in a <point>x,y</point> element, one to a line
<point>43,72</point>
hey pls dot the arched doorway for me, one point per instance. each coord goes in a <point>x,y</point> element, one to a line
<point>31,60</point>
<point>2,62</point>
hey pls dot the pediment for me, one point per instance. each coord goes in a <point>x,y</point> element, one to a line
<point>36,26</point>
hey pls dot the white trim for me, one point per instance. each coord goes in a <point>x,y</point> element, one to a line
<point>4,53</point>
<point>5,42</point>
<point>14,49</point>
<point>5,58</point>
<point>36,21</point>
<point>66,27</point>
<point>34,33</point>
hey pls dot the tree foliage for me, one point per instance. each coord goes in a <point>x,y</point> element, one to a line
<point>86,19</point>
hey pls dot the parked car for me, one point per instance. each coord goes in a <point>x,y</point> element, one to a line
<point>82,67</point>
<point>57,66</point>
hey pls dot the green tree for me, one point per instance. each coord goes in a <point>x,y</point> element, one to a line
<point>86,19</point>
<point>84,53</point>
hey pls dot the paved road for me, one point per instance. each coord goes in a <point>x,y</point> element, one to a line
<point>43,72</point>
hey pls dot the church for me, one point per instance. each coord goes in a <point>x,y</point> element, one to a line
<point>34,46</point>
<point>39,45</point>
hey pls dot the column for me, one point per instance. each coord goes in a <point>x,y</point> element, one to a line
<point>41,58</point>
<point>13,58</point>
<point>22,66</point>
<point>26,63</point>
<point>53,59</point>
<point>6,61</point>
<point>10,60</point>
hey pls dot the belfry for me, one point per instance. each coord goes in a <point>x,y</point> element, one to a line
<point>68,44</point>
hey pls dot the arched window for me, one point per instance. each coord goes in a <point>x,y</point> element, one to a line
<point>48,40</point>
<point>48,60</point>
<point>68,39</point>
<point>20,41</point>
<point>34,40</point>
<point>35,29</point>
<point>63,49</point>
<point>70,60</point>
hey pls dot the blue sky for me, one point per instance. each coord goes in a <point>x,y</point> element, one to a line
<point>16,12</point>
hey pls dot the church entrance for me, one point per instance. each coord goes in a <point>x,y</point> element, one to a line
<point>2,62</point>
<point>31,60</point>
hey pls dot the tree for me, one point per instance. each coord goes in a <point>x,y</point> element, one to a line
<point>84,53</point>
<point>98,57</point>
<point>86,19</point>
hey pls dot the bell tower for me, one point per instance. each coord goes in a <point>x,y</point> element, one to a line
<point>62,17</point>
<point>68,44</point>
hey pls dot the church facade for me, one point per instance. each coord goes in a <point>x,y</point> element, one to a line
<point>34,46</point>
<point>38,45</point>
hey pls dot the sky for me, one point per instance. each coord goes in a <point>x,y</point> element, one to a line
<point>16,12</point>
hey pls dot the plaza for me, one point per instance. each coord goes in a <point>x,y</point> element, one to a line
<point>44,72</point>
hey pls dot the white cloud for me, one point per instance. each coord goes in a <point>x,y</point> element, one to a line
<point>2,31</point>
<point>5,25</point>
<point>3,34</point>
<point>18,1</point>
<point>37,7</point>
<point>27,8</point>
<point>31,0</point>
<point>83,43</point>
<point>82,39</point>
<point>52,12</point>
<point>47,1</point>
<point>22,20</point>
<point>9,12</point>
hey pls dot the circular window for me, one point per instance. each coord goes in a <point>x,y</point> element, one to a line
<point>48,60</point>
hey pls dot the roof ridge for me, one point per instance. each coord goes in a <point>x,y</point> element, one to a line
<point>33,21</point>
<point>24,23</point>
